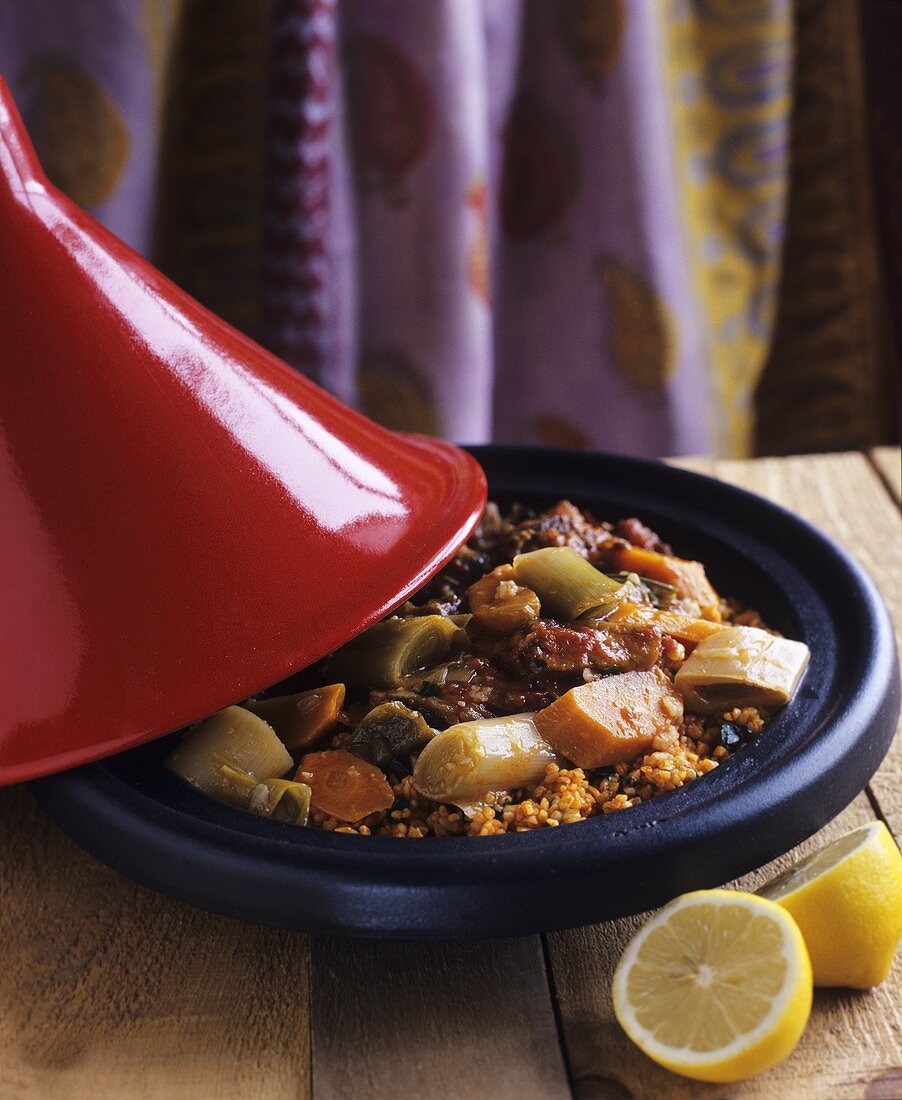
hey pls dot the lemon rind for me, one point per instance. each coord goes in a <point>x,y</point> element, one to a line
<point>873,829</point>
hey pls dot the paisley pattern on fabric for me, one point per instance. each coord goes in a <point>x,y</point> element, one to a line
<point>395,393</point>
<point>736,12</point>
<point>641,334</point>
<point>823,386</point>
<point>730,67</point>
<point>391,111</point>
<point>592,34</point>
<point>76,128</point>
<point>750,75</point>
<point>478,259</point>
<point>539,173</point>
<point>558,431</point>
<point>574,222</point>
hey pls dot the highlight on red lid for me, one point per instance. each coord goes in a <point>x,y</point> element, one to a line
<point>184,520</point>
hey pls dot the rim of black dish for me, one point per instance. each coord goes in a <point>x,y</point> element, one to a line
<point>806,765</point>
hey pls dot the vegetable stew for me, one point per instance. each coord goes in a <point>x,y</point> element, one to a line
<point>559,667</point>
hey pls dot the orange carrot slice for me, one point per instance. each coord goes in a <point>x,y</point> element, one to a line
<point>687,577</point>
<point>344,786</point>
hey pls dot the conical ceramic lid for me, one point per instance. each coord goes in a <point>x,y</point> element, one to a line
<point>183,519</point>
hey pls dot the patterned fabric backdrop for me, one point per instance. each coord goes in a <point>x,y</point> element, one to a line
<point>640,225</point>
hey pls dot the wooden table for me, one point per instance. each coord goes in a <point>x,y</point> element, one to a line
<point>110,991</point>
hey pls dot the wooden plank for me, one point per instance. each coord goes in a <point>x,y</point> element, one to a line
<point>108,990</point>
<point>853,1044</point>
<point>453,1019</point>
<point>888,461</point>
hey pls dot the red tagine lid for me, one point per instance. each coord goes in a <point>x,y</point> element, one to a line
<point>184,520</point>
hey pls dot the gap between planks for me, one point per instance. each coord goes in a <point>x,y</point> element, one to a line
<point>887,461</point>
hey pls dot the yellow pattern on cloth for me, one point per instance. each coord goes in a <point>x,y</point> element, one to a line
<point>77,129</point>
<point>642,338</point>
<point>394,392</point>
<point>730,133</point>
<point>825,386</point>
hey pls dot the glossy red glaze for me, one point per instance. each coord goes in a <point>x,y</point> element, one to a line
<point>183,519</point>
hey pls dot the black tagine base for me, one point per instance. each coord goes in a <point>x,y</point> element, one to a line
<point>806,766</point>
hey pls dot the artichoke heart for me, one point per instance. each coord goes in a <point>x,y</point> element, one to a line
<point>464,763</point>
<point>741,666</point>
<point>282,800</point>
<point>232,737</point>
<point>388,651</point>
<point>567,585</point>
<point>389,731</point>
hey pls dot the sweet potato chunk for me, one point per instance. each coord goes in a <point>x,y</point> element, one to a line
<point>611,721</point>
<point>682,627</point>
<point>344,786</point>
<point>301,720</point>
<point>687,577</point>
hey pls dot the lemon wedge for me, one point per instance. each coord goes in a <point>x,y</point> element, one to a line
<point>847,900</point>
<point>717,986</point>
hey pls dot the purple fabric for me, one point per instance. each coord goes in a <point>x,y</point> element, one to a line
<point>473,221</point>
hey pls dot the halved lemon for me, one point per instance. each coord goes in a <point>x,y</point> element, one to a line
<point>717,986</point>
<point>847,900</point>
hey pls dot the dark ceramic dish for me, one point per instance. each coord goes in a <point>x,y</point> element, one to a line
<point>806,766</point>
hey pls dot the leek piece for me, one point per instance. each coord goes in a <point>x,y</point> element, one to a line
<point>655,592</point>
<point>741,666</point>
<point>240,782</point>
<point>472,759</point>
<point>281,799</point>
<point>392,649</point>
<point>567,584</point>
<point>389,731</point>
<point>461,642</point>
<point>232,737</point>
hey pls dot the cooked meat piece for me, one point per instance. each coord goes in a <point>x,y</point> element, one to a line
<point>562,525</point>
<point>444,593</point>
<point>546,647</point>
<point>492,530</point>
<point>450,605</point>
<point>474,687</point>
<point>635,532</point>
